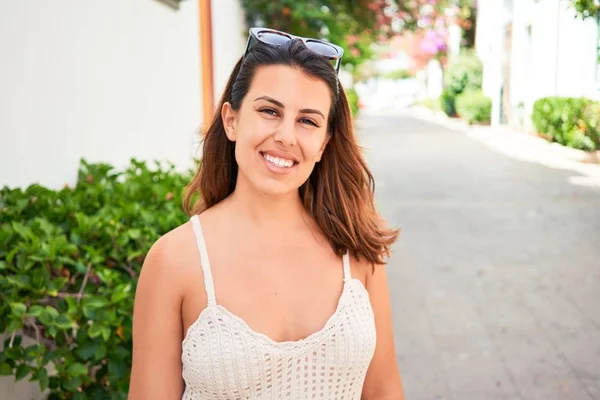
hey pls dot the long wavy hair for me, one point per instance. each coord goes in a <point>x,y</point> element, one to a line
<point>339,194</point>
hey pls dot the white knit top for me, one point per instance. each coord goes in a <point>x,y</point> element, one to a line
<point>223,358</point>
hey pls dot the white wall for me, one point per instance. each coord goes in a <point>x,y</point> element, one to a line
<point>521,63</point>
<point>563,54</point>
<point>553,53</point>
<point>229,37</point>
<point>105,80</point>
<point>577,56</point>
<point>492,17</point>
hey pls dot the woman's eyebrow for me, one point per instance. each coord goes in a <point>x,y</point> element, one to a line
<point>280,104</point>
<point>271,100</point>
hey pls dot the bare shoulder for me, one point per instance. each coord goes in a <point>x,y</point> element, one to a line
<point>363,269</point>
<point>157,322</point>
<point>169,256</point>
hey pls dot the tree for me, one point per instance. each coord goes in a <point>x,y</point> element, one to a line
<point>357,24</point>
<point>586,8</point>
<point>351,24</point>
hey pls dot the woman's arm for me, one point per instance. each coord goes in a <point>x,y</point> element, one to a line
<point>157,328</point>
<point>383,377</point>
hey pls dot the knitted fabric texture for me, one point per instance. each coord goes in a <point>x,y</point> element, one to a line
<point>224,359</point>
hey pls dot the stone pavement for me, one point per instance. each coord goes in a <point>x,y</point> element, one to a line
<point>495,281</point>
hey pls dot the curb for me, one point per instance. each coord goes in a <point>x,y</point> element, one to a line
<point>557,150</point>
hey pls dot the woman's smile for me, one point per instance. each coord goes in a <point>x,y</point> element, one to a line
<point>277,162</point>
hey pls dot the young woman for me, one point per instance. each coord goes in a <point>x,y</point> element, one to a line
<point>276,287</point>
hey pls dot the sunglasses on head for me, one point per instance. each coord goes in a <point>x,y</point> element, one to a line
<point>276,38</point>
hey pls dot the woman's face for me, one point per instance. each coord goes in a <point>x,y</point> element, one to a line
<point>280,130</point>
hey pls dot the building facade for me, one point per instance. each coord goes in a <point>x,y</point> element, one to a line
<point>106,81</point>
<point>532,49</point>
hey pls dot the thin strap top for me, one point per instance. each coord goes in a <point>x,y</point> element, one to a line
<point>224,359</point>
<point>206,271</point>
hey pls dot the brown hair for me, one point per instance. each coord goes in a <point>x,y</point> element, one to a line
<point>339,194</point>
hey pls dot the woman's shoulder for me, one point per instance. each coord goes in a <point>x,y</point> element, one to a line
<point>171,256</point>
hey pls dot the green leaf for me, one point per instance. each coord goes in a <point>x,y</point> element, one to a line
<point>100,353</point>
<point>18,309</point>
<point>11,255</point>
<point>22,230</point>
<point>35,310</point>
<point>79,396</point>
<point>58,283</point>
<point>87,350</point>
<point>77,369</point>
<point>54,382</point>
<point>5,369</point>
<point>14,353</point>
<point>42,376</point>
<point>45,317</point>
<point>94,302</point>
<point>52,312</point>
<point>134,255</point>
<point>14,325</point>
<point>33,352</point>
<point>106,333</point>
<point>72,384</point>
<point>72,304</point>
<point>117,369</point>
<point>63,322</point>
<point>22,371</point>
<point>20,281</point>
<point>121,292</point>
<point>95,330</point>
<point>52,331</point>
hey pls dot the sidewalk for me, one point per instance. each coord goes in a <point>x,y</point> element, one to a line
<point>521,146</point>
<point>494,282</point>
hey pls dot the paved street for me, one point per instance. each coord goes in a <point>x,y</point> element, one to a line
<point>496,279</point>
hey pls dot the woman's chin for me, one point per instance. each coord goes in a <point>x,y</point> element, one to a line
<point>276,188</point>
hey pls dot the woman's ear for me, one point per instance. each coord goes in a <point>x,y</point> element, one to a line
<point>228,115</point>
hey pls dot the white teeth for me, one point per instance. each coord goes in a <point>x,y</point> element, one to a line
<point>280,162</point>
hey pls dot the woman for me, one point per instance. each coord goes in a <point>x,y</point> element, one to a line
<point>276,288</point>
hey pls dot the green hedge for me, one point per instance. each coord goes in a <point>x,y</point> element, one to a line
<point>448,103</point>
<point>69,262</point>
<point>353,101</point>
<point>474,107</point>
<point>570,121</point>
<point>463,74</point>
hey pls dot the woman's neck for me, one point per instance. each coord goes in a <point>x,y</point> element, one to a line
<point>265,211</point>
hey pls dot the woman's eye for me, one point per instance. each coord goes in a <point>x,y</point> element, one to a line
<point>309,121</point>
<point>269,111</point>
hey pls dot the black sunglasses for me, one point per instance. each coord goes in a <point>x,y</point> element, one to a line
<point>276,38</point>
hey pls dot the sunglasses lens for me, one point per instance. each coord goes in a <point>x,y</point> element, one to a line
<point>322,48</point>
<point>273,38</point>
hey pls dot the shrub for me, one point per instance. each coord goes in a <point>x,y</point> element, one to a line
<point>570,121</point>
<point>474,107</point>
<point>591,120</point>
<point>69,262</point>
<point>448,103</point>
<point>353,100</point>
<point>465,73</point>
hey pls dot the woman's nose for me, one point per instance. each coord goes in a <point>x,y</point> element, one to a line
<point>286,133</point>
